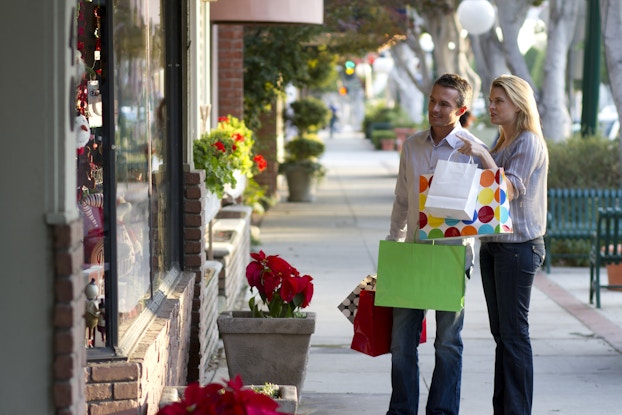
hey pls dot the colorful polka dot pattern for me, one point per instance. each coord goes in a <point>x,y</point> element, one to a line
<point>491,214</point>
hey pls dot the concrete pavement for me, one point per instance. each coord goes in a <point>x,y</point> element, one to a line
<point>577,349</point>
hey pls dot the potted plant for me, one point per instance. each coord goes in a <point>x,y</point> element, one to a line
<point>383,139</point>
<point>308,115</point>
<point>226,154</point>
<point>269,343</point>
<point>301,167</point>
<point>217,399</point>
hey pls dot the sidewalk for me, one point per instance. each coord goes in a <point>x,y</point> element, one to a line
<point>577,349</point>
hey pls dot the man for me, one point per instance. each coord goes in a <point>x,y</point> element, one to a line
<point>448,101</point>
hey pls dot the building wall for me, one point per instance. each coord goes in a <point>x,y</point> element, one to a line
<point>134,386</point>
<point>36,137</point>
<point>230,58</point>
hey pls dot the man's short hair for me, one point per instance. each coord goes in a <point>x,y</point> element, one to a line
<point>465,91</point>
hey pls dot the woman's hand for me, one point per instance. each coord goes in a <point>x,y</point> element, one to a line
<point>475,149</point>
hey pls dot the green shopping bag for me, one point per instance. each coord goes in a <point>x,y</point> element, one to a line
<point>422,276</point>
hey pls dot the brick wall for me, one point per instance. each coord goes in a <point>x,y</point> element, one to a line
<point>134,386</point>
<point>69,328</point>
<point>231,70</point>
<point>194,259</point>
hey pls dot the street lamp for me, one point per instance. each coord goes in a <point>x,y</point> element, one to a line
<point>476,16</point>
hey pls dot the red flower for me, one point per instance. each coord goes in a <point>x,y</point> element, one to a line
<point>238,137</point>
<point>261,162</point>
<point>220,146</point>
<point>279,285</point>
<point>217,399</point>
<point>223,119</point>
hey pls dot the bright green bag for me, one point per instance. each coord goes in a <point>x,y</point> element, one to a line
<point>422,276</point>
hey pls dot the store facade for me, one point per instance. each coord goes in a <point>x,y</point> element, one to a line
<point>103,216</point>
<point>107,241</point>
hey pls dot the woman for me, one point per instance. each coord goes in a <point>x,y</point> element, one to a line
<point>509,262</point>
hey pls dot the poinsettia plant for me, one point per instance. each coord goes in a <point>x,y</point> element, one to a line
<point>223,151</point>
<point>218,399</point>
<point>281,288</point>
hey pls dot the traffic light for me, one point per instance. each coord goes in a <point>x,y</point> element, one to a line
<point>350,68</point>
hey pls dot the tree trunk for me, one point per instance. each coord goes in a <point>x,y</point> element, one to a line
<point>611,20</point>
<point>556,121</point>
<point>511,15</point>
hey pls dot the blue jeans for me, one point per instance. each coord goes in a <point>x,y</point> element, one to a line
<point>508,271</point>
<point>444,396</point>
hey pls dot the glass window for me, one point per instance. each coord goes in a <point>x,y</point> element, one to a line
<point>139,136</point>
<point>138,180</point>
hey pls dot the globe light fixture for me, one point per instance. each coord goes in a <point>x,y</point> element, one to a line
<point>476,16</point>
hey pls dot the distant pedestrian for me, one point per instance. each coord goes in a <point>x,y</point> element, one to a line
<point>467,119</point>
<point>509,262</point>
<point>333,119</point>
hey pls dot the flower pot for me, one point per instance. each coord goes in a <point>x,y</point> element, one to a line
<point>287,399</point>
<point>266,350</point>
<point>300,184</point>
<point>614,274</point>
<point>387,144</point>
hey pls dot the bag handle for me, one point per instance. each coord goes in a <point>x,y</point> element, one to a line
<point>453,152</point>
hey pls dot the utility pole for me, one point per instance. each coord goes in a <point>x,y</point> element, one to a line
<point>591,69</point>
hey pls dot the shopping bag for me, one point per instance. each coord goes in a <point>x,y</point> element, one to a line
<point>454,189</point>
<point>421,275</point>
<point>350,304</point>
<point>491,215</point>
<point>372,327</point>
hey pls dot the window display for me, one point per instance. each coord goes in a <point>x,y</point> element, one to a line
<point>121,155</point>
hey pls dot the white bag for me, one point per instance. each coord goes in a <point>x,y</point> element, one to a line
<point>454,189</point>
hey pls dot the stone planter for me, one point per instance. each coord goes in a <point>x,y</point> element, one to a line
<point>266,350</point>
<point>300,184</point>
<point>287,399</point>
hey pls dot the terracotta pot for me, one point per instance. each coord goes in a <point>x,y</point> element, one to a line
<point>387,144</point>
<point>614,274</point>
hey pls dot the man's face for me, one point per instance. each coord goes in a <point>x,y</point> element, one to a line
<point>443,111</point>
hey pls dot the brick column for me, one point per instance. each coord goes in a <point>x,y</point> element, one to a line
<point>69,327</point>
<point>231,70</point>
<point>194,256</point>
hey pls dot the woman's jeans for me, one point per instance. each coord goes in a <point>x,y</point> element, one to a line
<point>508,271</point>
<point>444,396</point>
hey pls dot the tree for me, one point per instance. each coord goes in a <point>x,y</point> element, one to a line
<point>450,53</point>
<point>512,15</point>
<point>556,121</point>
<point>611,18</point>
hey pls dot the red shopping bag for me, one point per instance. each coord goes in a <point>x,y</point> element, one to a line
<point>372,327</point>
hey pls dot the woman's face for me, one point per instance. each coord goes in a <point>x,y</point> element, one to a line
<point>502,110</point>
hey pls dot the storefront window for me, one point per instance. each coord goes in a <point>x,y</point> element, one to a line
<point>140,153</point>
<point>138,180</point>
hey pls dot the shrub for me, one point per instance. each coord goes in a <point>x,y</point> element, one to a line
<point>584,162</point>
<point>581,162</point>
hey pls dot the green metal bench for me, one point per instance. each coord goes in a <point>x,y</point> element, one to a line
<point>606,248</point>
<point>572,215</point>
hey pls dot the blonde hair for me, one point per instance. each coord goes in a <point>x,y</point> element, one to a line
<point>522,96</point>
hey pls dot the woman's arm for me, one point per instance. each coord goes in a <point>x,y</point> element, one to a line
<point>471,148</point>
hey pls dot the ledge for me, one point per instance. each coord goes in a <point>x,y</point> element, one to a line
<point>267,11</point>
